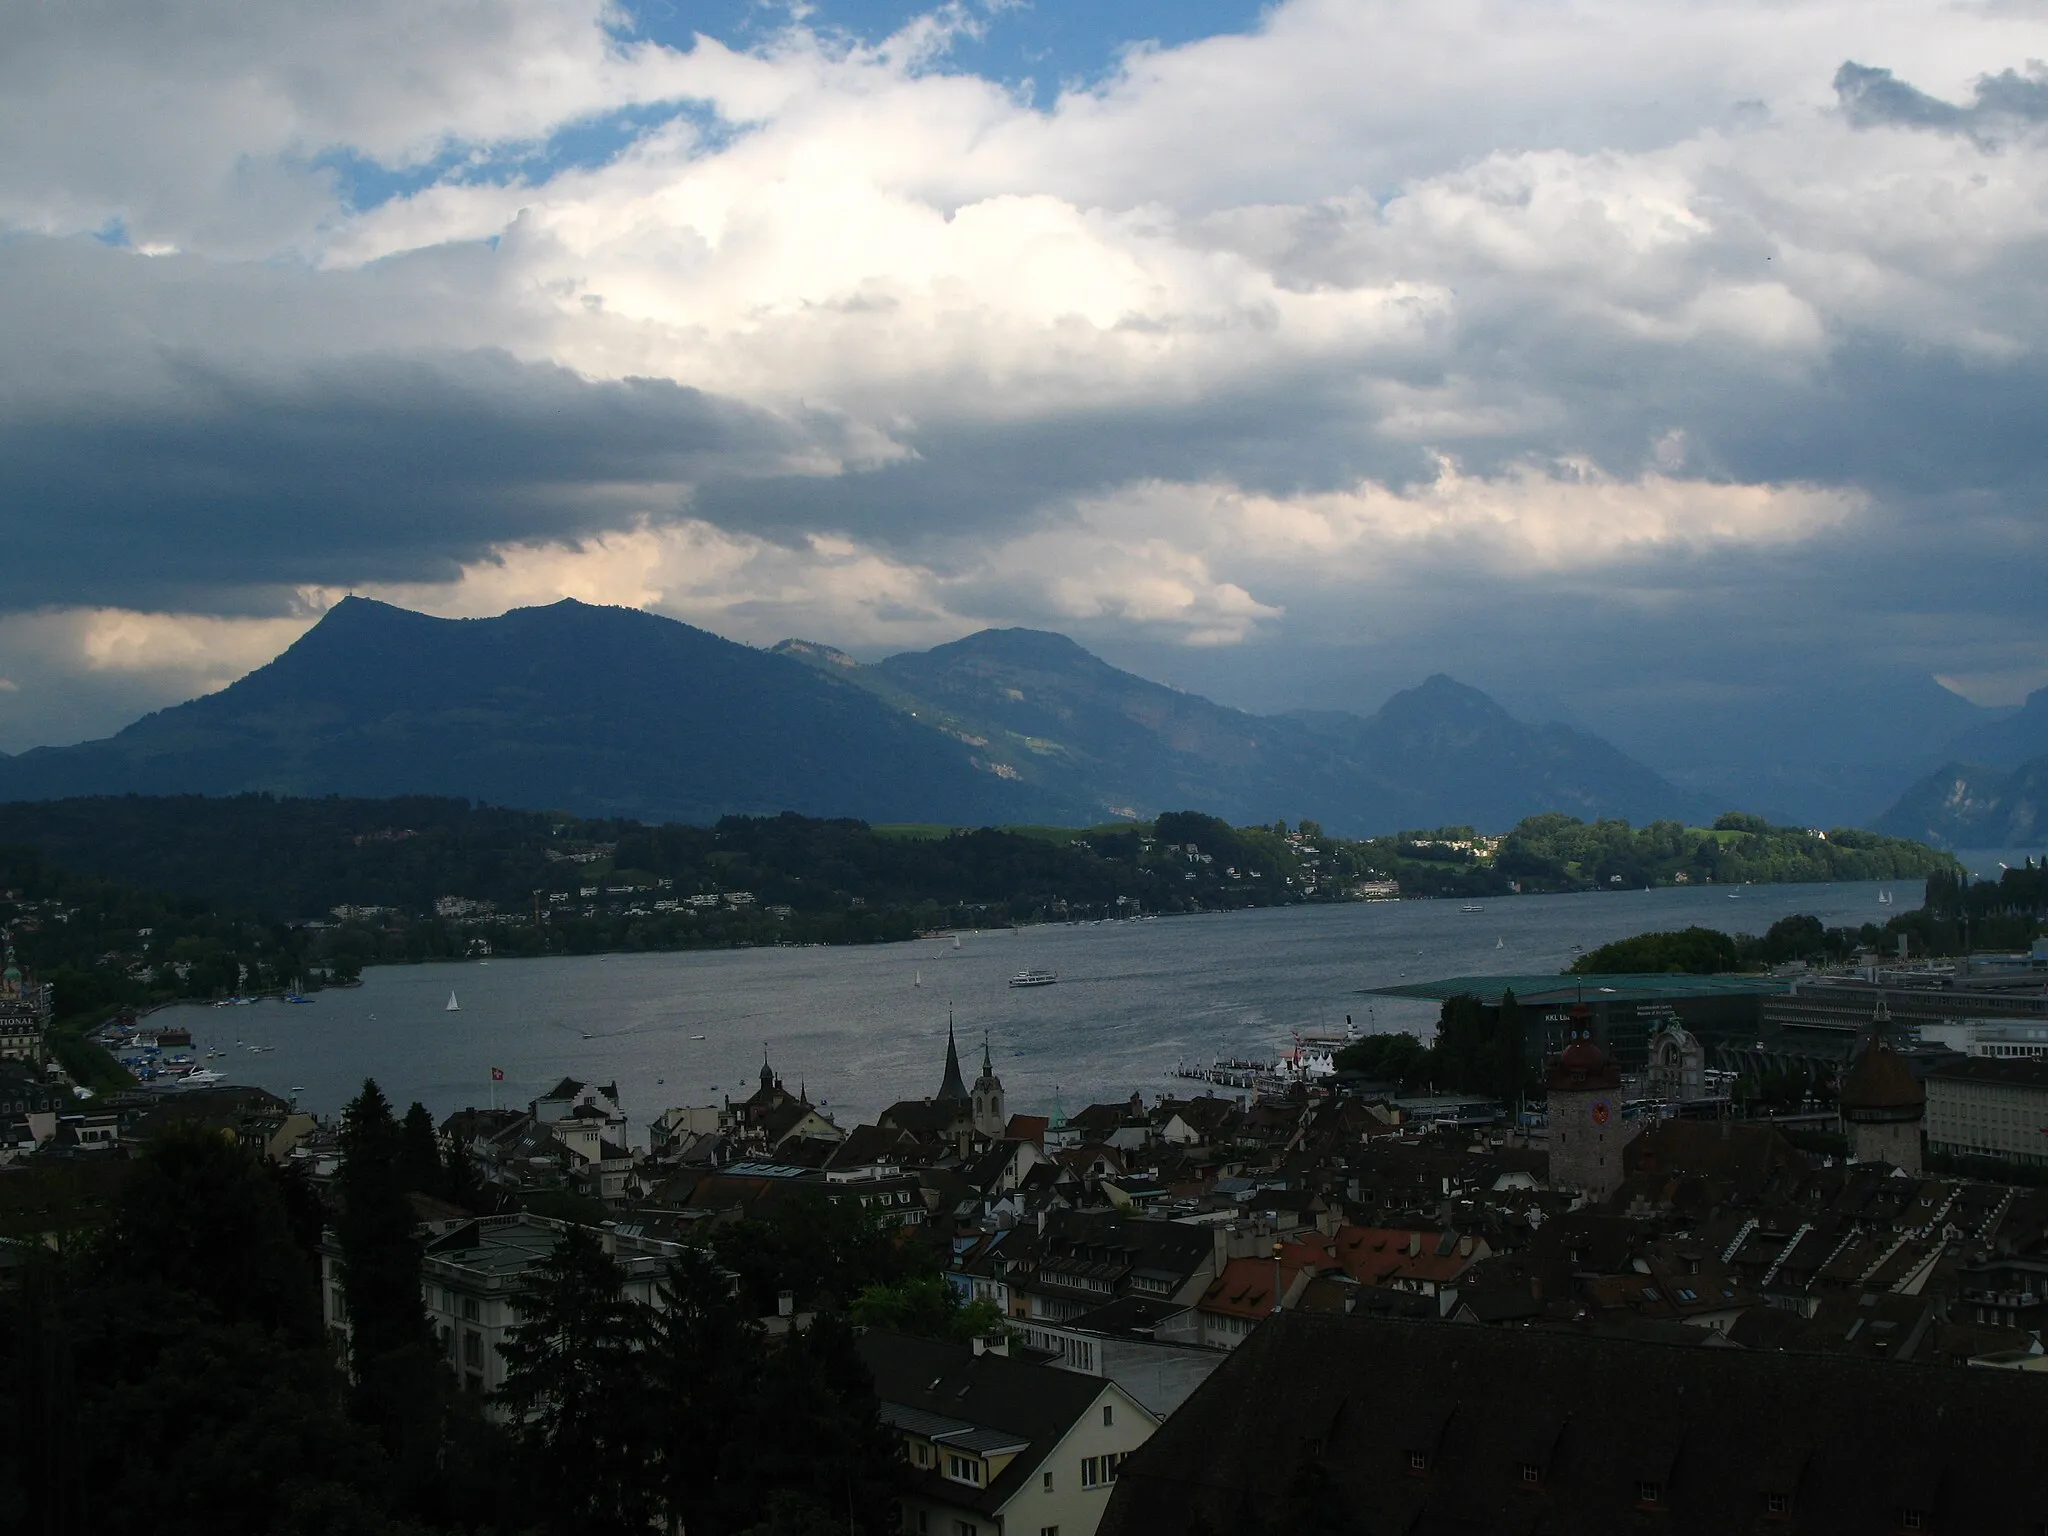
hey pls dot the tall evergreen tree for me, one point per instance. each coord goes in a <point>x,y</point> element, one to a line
<point>577,1383</point>
<point>401,1387</point>
<point>200,1214</point>
<point>375,1226</point>
<point>815,1432</point>
<point>419,1153</point>
<point>704,1358</point>
<point>461,1184</point>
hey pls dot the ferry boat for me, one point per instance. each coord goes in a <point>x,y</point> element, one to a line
<point>1312,1059</point>
<point>1471,906</point>
<point>1034,978</point>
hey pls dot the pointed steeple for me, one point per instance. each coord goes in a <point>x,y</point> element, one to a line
<point>954,1087</point>
<point>988,1068</point>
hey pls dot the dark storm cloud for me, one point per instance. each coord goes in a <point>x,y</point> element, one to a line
<point>357,470</point>
<point>1877,98</point>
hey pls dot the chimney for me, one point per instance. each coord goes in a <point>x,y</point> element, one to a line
<point>1414,1245</point>
<point>1535,1287</point>
<point>785,1303</point>
<point>1465,1246</point>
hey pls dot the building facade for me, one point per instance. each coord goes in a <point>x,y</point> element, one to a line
<point>473,1276</point>
<point>1990,1107</point>
<point>1881,1103</point>
<point>24,1017</point>
<point>1586,1131</point>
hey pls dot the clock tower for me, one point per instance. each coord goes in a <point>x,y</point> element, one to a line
<point>1586,1132</point>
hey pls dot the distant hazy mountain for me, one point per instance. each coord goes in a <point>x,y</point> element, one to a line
<point>1061,719</point>
<point>614,712</point>
<point>1973,805</point>
<point>1813,750</point>
<point>603,711</point>
<point>1455,747</point>
<point>2006,743</point>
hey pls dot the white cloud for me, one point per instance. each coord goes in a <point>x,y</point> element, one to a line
<point>1192,333</point>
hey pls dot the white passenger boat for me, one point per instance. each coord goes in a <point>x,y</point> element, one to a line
<point>1034,978</point>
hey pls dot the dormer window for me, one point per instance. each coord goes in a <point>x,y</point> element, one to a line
<point>1532,1474</point>
<point>1913,1519</point>
<point>1649,1494</point>
<point>1778,1505</point>
<point>1418,1461</point>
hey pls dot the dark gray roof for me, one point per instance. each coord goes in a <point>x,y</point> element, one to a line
<point>1853,1443</point>
<point>2011,1072</point>
<point>922,1381</point>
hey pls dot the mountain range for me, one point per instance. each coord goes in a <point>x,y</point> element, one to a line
<point>1993,793</point>
<point>617,712</point>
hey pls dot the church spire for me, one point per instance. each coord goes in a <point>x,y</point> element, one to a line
<point>988,1068</point>
<point>953,1087</point>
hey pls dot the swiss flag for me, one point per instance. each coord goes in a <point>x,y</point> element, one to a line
<point>497,1074</point>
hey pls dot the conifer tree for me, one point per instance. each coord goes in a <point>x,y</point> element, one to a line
<point>401,1387</point>
<point>577,1383</point>
<point>704,1358</point>
<point>419,1153</point>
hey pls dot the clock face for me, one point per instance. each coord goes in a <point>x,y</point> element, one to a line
<point>1601,1111</point>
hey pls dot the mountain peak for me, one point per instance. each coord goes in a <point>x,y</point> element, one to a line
<point>814,652</point>
<point>1021,647</point>
<point>1440,697</point>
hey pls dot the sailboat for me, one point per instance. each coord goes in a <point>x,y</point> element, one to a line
<point>917,978</point>
<point>453,1006</point>
<point>1500,943</point>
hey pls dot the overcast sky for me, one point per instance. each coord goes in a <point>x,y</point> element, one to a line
<point>1605,354</point>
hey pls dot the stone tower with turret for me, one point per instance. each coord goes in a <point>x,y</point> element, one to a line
<point>1586,1131</point>
<point>1882,1104</point>
<point>989,1119</point>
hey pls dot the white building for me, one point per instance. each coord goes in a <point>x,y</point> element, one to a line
<point>997,1446</point>
<point>473,1275</point>
<point>1989,1107</point>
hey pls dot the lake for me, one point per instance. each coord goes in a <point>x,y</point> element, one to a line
<point>862,1027</point>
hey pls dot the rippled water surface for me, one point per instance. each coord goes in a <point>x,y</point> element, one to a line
<point>857,1028</point>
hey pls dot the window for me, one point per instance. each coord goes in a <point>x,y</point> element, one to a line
<point>1649,1493</point>
<point>1099,1471</point>
<point>472,1349</point>
<point>1048,1482</point>
<point>964,1469</point>
<point>469,1309</point>
<point>1531,1473</point>
<point>1108,1415</point>
<point>924,1520</point>
<point>1048,1530</point>
<point>1418,1461</point>
<point>1913,1519</point>
<point>966,1528</point>
<point>1778,1503</point>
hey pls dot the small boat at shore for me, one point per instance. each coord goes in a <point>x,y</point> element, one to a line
<point>453,1006</point>
<point>1034,978</point>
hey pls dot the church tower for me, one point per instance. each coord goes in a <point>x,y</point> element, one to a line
<point>1882,1104</point>
<point>1586,1132</point>
<point>989,1119</point>
<point>954,1088</point>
